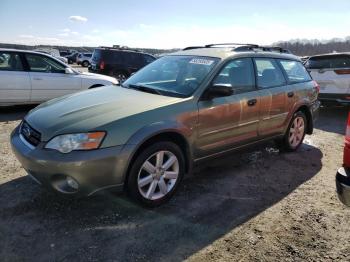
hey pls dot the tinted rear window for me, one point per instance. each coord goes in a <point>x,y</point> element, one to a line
<point>96,56</point>
<point>321,62</point>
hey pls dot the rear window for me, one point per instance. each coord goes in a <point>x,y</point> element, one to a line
<point>295,71</point>
<point>96,55</point>
<point>324,62</point>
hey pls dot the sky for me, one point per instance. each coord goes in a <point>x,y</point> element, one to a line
<point>170,24</point>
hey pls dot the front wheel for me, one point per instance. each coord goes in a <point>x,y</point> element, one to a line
<point>295,133</point>
<point>156,174</point>
<point>120,76</point>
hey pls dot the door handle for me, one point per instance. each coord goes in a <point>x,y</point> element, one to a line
<point>290,94</point>
<point>36,78</point>
<point>252,102</point>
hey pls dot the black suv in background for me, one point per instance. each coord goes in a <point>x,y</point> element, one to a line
<point>118,62</point>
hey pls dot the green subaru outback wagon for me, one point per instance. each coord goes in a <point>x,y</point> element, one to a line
<point>145,135</point>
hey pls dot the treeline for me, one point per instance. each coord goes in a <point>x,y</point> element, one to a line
<point>314,47</point>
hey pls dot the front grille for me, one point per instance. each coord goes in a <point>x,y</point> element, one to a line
<point>30,134</point>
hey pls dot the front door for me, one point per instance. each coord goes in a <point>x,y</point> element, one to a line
<point>226,122</point>
<point>48,78</point>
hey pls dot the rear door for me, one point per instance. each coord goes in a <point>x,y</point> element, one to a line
<point>274,92</point>
<point>226,122</point>
<point>15,84</point>
<point>331,72</point>
<point>48,78</point>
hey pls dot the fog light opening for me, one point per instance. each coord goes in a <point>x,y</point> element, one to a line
<point>65,184</point>
<point>72,183</point>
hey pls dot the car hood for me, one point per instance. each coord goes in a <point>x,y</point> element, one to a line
<point>91,109</point>
<point>98,76</point>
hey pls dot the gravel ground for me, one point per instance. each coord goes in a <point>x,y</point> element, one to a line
<point>260,205</point>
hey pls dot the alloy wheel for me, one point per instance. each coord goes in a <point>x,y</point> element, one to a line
<point>296,131</point>
<point>158,175</point>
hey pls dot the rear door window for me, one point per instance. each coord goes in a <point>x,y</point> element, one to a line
<point>328,62</point>
<point>10,62</point>
<point>268,73</point>
<point>295,71</point>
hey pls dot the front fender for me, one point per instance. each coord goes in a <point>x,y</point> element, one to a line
<point>152,130</point>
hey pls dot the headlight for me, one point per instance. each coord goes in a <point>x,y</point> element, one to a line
<point>70,142</point>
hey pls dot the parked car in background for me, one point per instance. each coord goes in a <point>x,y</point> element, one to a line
<point>53,52</point>
<point>179,110</point>
<point>343,174</point>
<point>31,77</point>
<point>332,73</point>
<point>84,59</point>
<point>118,62</point>
<point>72,58</point>
<point>64,53</point>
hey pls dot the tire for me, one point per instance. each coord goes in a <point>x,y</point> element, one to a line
<point>151,185</point>
<point>295,133</point>
<point>85,64</point>
<point>121,76</point>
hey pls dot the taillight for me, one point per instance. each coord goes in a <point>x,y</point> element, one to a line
<point>342,71</point>
<point>346,158</point>
<point>102,65</point>
<point>316,86</point>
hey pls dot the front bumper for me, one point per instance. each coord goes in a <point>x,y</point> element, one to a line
<point>343,185</point>
<point>93,170</point>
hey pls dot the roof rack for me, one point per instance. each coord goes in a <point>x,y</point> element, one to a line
<point>230,44</point>
<point>244,47</point>
<point>192,47</point>
<point>117,47</point>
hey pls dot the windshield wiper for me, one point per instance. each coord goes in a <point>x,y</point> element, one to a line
<point>146,89</point>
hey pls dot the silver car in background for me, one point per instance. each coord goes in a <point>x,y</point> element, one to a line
<point>332,73</point>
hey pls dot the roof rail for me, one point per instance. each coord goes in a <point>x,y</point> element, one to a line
<point>230,44</point>
<point>262,48</point>
<point>244,47</point>
<point>192,47</point>
<point>123,48</point>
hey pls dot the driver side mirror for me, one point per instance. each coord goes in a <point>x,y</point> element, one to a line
<point>218,90</point>
<point>68,70</point>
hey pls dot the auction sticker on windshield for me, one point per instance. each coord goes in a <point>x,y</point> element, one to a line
<point>201,61</point>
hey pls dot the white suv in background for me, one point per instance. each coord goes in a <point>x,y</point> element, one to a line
<point>30,78</point>
<point>332,73</point>
<point>84,59</point>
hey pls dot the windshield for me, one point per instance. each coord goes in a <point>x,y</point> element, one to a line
<point>176,76</point>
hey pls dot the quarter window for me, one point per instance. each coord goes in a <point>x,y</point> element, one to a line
<point>268,73</point>
<point>39,63</point>
<point>295,71</point>
<point>239,74</point>
<point>10,62</point>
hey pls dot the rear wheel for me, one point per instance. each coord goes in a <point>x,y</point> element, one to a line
<point>156,174</point>
<point>295,133</point>
<point>85,64</point>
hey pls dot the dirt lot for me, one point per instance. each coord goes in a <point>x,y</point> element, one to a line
<point>257,206</point>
